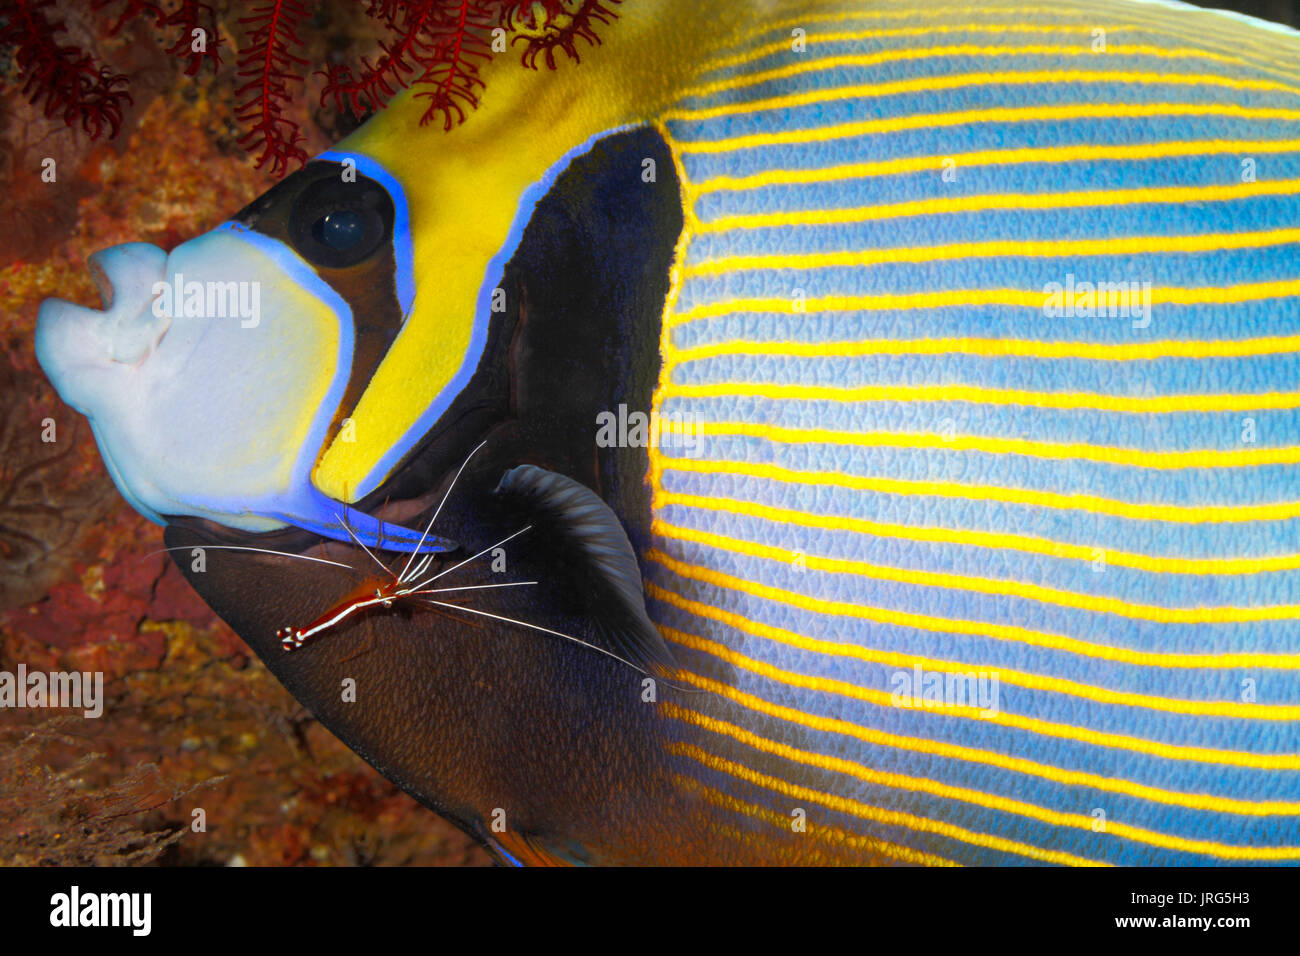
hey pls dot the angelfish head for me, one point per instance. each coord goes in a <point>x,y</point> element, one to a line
<point>215,375</point>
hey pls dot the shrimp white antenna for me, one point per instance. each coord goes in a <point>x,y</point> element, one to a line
<point>471,558</point>
<point>362,544</point>
<point>235,547</point>
<point>544,630</point>
<point>438,510</point>
<point>422,566</point>
<point>568,637</point>
<point>472,587</point>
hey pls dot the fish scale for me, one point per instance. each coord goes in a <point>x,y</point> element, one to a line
<point>805,614</point>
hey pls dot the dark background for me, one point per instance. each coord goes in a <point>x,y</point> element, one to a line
<point>1279,11</point>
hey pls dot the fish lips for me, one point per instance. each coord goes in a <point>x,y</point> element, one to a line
<point>209,377</point>
<point>78,346</point>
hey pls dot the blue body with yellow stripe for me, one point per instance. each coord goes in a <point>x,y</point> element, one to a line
<point>922,458</point>
<point>906,462</point>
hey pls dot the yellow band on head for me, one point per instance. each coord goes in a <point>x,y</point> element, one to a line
<point>466,192</point>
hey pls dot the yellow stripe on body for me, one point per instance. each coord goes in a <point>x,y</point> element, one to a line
<point>1086,735</point>
<point>1234,34</point>
<point>1008,114</point>
<point>927,622</point>
<point>911,54</point>
<point>1138,511</point>
<point>996,157</point>
<point>1018,248</point>
<point>1032,682</point>
<point>959,81</point>
<point>1053,451</point>
<point>985,203</point>
<point>868,812</point>
<point>673,356</point>
<point>1204,48</point>
<point>999,348</point>
<point>925,745</point>
<point>753,54</point>
<point>1114,828</point>
<point>1246,36</point>
<point>1100,695</point>
<point>811,856</point>
<point>972,394</point>
<point>821,832</point>
<point>1094,603</point>
<point>1167,295</point>
<point>1156,564</point>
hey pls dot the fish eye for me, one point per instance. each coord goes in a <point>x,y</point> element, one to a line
<point>337,224</point>
<point>340,230</point>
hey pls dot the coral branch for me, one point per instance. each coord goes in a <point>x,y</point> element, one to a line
<point>66,79</point>
<point>190,16</point>
<point>269,65</point>
<point>131,10</point>
<point>454,75</point>
<point>562,32</point>
<point>380,82</point>
<point>436,49</point>
<point>436,46</point>
<point>530,14</point>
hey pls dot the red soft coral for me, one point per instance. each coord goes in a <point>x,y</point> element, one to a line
<point>437,48</point>
<point>562,29</point>
<point>189,15</point>
<point>193,15</point>
<point>454,75</point>
<point>64,79</point>
<point>376,83</point>
<point>270,66</point>
<point>438,42</point>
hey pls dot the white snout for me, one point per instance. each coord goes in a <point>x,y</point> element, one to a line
<point>78,346</point>
<point>201,406</point>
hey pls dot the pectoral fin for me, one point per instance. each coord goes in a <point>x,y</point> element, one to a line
<point>587,542</point>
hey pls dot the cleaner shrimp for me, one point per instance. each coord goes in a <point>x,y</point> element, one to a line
<point>387,589</point>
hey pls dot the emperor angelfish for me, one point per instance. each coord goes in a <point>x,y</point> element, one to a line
<point>902,396</point>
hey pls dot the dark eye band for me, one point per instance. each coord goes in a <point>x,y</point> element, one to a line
<point>337,224</point>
